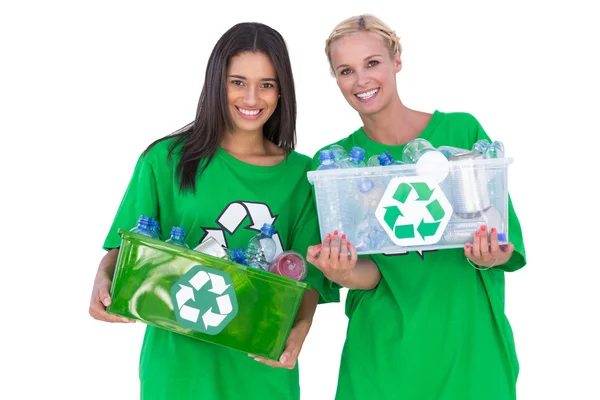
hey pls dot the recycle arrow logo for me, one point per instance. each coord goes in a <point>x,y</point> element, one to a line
<point>232,218</point>
<point>414,212</point>
<point>204,300</point>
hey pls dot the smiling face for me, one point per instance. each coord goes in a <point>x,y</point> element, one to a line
<point>252,91</point>
<point>365,71</point>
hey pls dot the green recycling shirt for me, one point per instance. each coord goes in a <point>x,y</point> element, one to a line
<point>435,327</point>
<point>232,201</point>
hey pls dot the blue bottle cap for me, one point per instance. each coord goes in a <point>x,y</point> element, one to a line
<point>357,153</point>
<point>385,158</point>
<point>267,230</point>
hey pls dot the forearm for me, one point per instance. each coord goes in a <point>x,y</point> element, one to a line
<point>365,276</point>
<point>106,269</point>
<point>307,308</point>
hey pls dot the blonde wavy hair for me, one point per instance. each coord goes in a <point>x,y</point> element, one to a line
<point>363,23</point>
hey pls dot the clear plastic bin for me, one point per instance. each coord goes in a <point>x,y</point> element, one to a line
<point>203,296</point>
<point>391,209</point>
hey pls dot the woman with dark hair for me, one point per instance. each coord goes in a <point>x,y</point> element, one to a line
<point>224,175</point>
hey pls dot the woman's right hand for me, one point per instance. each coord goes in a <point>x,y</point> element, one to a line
<point>101,291</point>
<point>335,257</point>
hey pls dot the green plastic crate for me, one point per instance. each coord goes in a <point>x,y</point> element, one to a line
<point>204,297</point>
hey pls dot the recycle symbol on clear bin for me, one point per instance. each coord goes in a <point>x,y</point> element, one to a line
<point>204,300</point>
<point>414,211</point>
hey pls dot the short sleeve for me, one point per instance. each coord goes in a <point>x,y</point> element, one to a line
<point>140,198</point>
<point>305,234</point>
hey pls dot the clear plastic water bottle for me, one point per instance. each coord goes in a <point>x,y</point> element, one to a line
<point>480,145</point>
<point>155,227</point>
<point>355,159</point>
<point>237,255</point>
<point>145,226</point>
<point>261,248</point>
<point>339,153</point>
<point>327,160</point>
<point>177,237</point>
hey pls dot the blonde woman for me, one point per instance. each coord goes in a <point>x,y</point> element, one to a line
<point>424,326</point>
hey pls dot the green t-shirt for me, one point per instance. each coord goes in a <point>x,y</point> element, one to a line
<point>232,201</point>
<point>435,327</point>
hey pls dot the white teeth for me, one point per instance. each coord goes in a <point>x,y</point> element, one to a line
<point>248,112</point>
<point>367,95</point>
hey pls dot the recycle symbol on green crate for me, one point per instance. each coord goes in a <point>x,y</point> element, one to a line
<point>204,300</point>
<point>413,211</point>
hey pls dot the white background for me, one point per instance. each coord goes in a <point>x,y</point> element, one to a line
<point>85,86</point>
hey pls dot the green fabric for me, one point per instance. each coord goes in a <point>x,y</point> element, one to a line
<point>435,327</point>
<point>232,201</point>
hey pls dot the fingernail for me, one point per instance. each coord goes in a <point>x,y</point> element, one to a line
<point>476,234</point>
<point>344,236</point>
<point>468,246</point>
<point>106,302</point>
<point>335,233</point>
<point>328,236</point>
<point>483,228</point>
<point>349,244</point>
<point>283,359</point>
<point>493,230</point>
<point>319,247</point>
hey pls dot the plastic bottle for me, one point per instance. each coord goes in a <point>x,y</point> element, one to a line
<point>237,255</point>
<point>449,151</point>
<point>327,160</point>
<point>384,160</point>
<point>261,248</point>
<point>480,145</point>
<point>339,153</point>
<point>177,237</point>
<point>145,227</point>
<point>494,150</point>
<point>355,159</point>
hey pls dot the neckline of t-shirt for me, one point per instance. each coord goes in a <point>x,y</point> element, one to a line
<point>366,142</point>
<point>237,163</point>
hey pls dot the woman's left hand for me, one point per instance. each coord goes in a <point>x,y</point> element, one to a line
<point>292,347</point>
<point>488,253</point>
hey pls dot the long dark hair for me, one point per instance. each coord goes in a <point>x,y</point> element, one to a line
<point>200,139</point>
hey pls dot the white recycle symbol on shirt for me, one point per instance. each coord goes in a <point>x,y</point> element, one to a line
<point>204,300</point>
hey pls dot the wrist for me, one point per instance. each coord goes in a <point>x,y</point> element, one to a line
<point>339,277</point>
